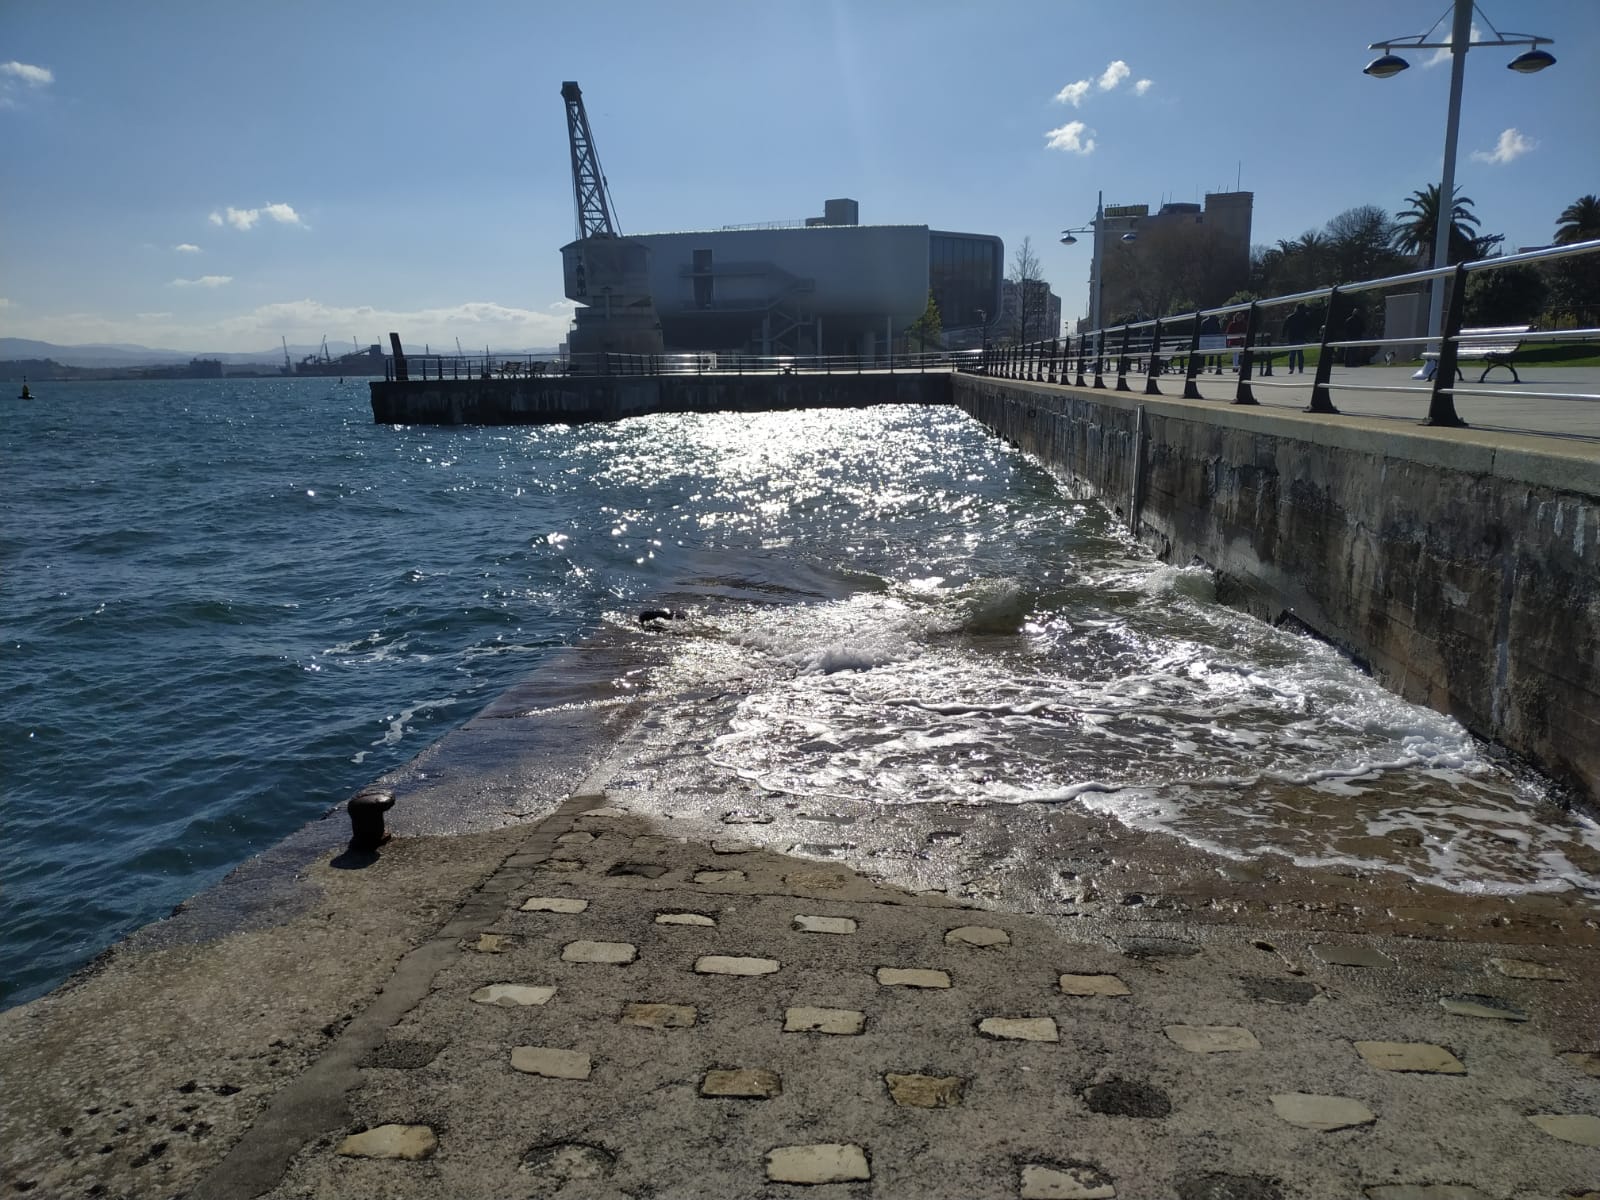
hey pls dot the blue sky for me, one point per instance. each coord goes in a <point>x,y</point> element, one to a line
<point>213,176</point>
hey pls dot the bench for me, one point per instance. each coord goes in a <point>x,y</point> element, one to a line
<point>1496,346</point>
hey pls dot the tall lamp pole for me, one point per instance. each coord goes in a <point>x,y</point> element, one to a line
<point>1096,274</point>
<point>1390,64</point>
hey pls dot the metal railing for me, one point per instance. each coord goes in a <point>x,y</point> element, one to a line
<point>429,367</point>
<point>1149,348</point>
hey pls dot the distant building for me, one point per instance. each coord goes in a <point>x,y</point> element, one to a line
<point>1183,256</point>
<point>1044,311</point>
<point>827,285</point>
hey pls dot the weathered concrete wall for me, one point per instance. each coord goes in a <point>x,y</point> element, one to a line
<point>562,400</point>
<point>1463,567</point>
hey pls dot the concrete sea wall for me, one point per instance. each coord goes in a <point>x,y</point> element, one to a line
<point>1462,567</point>
<point>557,400</point>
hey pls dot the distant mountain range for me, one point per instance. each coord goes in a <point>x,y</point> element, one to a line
<point>119,354</point>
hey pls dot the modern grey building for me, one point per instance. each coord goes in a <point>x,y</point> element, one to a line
<point>827,285</point>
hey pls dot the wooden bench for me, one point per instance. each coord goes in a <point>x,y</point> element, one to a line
<point>1496,346</point>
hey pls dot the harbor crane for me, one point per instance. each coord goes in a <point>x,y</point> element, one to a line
<point>606,273</point>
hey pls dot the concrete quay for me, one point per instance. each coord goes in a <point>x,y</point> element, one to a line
<point>667,983</point>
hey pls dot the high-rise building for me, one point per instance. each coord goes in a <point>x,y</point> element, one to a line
<point>1182,257</point>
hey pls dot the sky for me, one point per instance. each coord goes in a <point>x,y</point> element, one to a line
<point>216,176</point>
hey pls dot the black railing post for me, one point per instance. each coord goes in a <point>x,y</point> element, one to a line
<point>1321,400</point>
<point>1442,406</point>
<point>1244,394</point>
<point>1099,358</point>
<point>1191,390</point>
<point>1122,361</point>
<point>1083,339</point>
<point>1154,365</point>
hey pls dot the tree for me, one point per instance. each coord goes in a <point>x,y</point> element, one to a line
<point>1417,226</point>
<point>1579,221</point>
<point>928,329</point>
<point>1512,295</point>
<point>1030,294</point>
<point>1361,245</point>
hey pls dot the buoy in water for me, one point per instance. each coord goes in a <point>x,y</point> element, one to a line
<point>26,394</point>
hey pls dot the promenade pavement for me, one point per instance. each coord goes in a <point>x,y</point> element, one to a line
<point>1513,413</point>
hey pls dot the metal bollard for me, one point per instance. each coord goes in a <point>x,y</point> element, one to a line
<point>366,809</point>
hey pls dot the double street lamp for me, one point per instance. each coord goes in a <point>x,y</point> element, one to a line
<point>1389,64</point>
<point>1096,272</point>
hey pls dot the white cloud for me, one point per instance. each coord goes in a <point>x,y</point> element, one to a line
<point>283,214</point>
<point>1439,57</point>
<point>1143,86</point>
<point>1073,93</point>
<point>187,248</point>
<point>4,303</point>
<point>205,281</point>
<point>1114,74</point>
<point>28,73</point>
<point>1511,146</point>
<point>1070,138</point>
<point>153,316</point>
<point>246,219</point>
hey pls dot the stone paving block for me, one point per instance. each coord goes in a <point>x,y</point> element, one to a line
<point>554,904</point>
<point>686,918</point>
<point>606,811</point>
<point>410,1142</point>
<point>490,943</point>
<point>512,995</point>
<point>567,865</point>
<point>742,1085</point>
<point>575,838</point>
<point>1322,1113</point>
<point>843,1021</point>
<point>1212,1039</point>
<point>729,846</point>
<point>719,877</point>
<point>658,1016</point>
<point>1490,1008</point>
<point>611,953</point>
<point>1074,1181</point>
<point>915,977</point>
<point>825,1163</point>
<point>550,1062</point>
<point>805,924</point>
<point>1352,956</point>
<point>561,1163</point>
<point>1569,1127</point>
<point>925,1091</point>
<point>1421,1057</point>
<point>636,870</point>
<point>723,964</point>
<point>1423,1191</point>
<point>981,936</point>
<point>1521,968</point>
<point>1021,1029</point>
<point>1093,985</point>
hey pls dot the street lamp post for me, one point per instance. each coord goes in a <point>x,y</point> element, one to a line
<point>1390,64</point>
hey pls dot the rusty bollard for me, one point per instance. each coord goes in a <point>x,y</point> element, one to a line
<point>366,818</point>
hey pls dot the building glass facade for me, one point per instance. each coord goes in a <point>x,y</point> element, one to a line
<point>964,273</point>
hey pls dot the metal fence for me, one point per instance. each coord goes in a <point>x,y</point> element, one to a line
<point>499,366</point>
<point>1152,348</point>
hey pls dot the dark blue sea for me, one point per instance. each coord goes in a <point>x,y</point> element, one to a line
<point>229,604</point>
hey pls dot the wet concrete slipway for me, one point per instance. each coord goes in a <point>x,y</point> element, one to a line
<point>595,962</point>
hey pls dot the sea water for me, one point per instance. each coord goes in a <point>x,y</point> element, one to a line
<point>228,604</point>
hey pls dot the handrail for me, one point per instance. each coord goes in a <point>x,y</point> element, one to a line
<point>1149,344</point>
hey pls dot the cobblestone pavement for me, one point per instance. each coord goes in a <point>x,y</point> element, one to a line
<point>655,1015</point>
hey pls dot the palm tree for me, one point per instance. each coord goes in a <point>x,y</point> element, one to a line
<point>1417,226</point>
<point>1579,221</point>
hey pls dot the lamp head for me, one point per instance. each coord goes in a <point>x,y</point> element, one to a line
<point>1385,66</point>
<point>1130,237</point>
<point>1533,60</point>
<point>1067,239</point>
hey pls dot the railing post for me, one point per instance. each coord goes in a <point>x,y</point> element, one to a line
<point>1244,394</point>
<point>1082,339</point>
<point>1154,365</point>
<point>1321,401</point>
<point>1099,358</point>
<point>1122,361</point>
<point>1191,390</point>
<point>1442,406</point>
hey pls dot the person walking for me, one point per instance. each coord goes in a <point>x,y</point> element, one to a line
<point>1211,339</point>
<point>1297,330</point>
<point>1236,327</point>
